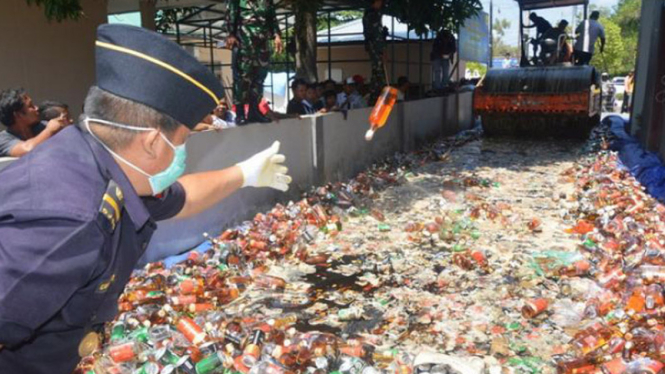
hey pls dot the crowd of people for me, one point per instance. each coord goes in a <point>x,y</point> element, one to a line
<point>324,97</point>
<point>28,125</point>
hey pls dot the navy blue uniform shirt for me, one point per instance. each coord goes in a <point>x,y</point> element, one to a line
<point>63,264</point>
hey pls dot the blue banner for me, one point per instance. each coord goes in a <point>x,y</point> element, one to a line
<point>474,39</point>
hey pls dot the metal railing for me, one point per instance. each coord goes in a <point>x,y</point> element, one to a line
<point>207,33</point>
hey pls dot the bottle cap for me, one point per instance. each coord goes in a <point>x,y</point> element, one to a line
<point>369,135</point>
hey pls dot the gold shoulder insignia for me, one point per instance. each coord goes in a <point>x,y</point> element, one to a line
<point>112,204</point>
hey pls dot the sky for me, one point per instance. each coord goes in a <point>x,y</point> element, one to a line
<point>509,10</point>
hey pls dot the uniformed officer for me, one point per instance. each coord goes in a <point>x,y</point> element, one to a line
<point>250,25</point>
<point>78,212</point>
<point>375,45</point>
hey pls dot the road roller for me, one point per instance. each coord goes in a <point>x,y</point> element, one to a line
<point>547,95</point>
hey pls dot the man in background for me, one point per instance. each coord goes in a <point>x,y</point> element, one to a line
<point>250,26</point>
<point>558,34</point>
<point>296,106</point>
<point>443,52</point>
<point>587,34</point>
<point>312,102</point>
<point>330,102</point>
<point>350,98</point>
<point>222,113</point>
<point>628,94</point>
<point>507,62</point>
<point>24,130</point>
<point>542,26</point>
<point>375,44</point>
<point>49,110</point>
<point>220,118</point>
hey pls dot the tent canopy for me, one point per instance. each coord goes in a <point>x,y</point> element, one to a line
<point>543,4</point>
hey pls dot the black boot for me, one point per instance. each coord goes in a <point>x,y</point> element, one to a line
<point>241,120</point>
<point>254,114</point>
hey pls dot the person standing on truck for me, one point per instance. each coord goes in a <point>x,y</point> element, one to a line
<point>558,34</point>
<point>587,33</point>
<point>542,26</point>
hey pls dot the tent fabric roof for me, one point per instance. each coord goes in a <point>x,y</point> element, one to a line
<point>543,4</point>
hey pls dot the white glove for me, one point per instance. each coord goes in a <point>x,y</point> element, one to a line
<point>265,169</point>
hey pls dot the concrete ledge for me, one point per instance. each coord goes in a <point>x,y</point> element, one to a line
<point>343,147</point>
<point>425,120</point>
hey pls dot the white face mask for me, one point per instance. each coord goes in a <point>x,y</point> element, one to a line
<point>160,181</point>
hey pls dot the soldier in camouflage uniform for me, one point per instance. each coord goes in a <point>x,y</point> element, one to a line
<point>250,25</point>
<point>375,44</point>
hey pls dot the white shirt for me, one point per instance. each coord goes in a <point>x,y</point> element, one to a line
<point>355,101</point>
<point>309,108</point>
<point>220,123</point>
<point>587,33</point>
<point>507,63</point>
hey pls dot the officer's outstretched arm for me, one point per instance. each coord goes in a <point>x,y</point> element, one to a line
<point>205,190</point>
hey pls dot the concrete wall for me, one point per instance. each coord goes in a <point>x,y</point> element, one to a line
<point>50,60</point>
<point>319,149</point>
<point>423,119</point>
<point>343,150</point>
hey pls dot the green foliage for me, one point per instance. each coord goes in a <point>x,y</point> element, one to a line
<point>611,60</point>
<point>499,47</point>
<point>337,18</point>
<point>627,17</point>
<point>433,15</point>
<point>480,67</point>
<point>165,19</point>
<point>59,10</point>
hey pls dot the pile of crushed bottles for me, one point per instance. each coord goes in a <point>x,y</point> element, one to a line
<point>305,289</point>
<point>221,312</point>
<point>622,248</point>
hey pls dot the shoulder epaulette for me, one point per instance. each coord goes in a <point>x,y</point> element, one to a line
<point>112,204</point>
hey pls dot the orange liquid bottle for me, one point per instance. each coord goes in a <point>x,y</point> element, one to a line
<point>384,105</point>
